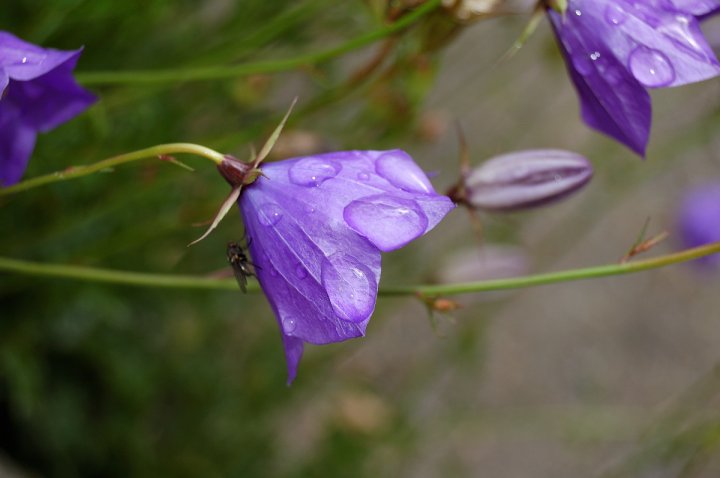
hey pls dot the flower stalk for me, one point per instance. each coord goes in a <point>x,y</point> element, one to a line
<point>160,151</point>
<point>91,274</point>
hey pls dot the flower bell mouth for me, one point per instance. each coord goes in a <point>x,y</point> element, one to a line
<point>317,226</point>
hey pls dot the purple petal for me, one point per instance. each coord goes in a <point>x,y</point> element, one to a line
<point>4,80</point>
<point>293,348</point>
<point>401,171</point>
<point>38,94</point>
<point>24,61</point>
<point>315,246</point>
<point>695,7</point>
<point>51,99</point>
<point>611,100</point>
<point>16,145</point>
<point>615,48</point>
<point>699,218</point>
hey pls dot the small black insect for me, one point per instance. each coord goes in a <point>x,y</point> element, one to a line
<point>242,267</point>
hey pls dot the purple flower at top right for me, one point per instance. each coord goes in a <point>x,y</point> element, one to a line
<point>616,49</point>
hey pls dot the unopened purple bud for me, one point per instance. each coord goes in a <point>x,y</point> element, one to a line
<point>526,179</point>
<point>699,219</point>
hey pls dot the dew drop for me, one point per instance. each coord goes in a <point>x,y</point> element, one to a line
<point>350,285</point>
<point>388,222</point>
<point>578,13</point>
<point>269,214</point>
<point>615,14</point>
<point>402,172</point>
<point>651,67</point>
<point>289,324</point>
<point>300,271</point>
<point>309,209</point>
<point>24,60</point>
<point>363,176</point>
<point>312,172</point>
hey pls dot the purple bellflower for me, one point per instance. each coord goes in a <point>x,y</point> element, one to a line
<point>316,226</point>
<point>699,219</point>
<point>37,94</point>
<point>616,49</point>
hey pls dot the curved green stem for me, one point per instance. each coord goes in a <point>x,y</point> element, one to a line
<point>199,282</point>
<point>79,171</point>
<point>118,277</point>
<point>260,67</point>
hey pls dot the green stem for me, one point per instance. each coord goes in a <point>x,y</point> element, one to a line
<point>260,67</point>
<point>79,171</point>
<point>118,277</point>
<point>561,276</point>
<point>199,282</point>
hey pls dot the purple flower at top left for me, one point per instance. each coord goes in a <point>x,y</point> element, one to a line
<point>37,94</point>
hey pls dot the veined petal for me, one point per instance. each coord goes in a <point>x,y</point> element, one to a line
<point>615,49</point>
<point>611,99</point>
<point>316,226</point>
<point>659,45</point>
<point>695,7</point>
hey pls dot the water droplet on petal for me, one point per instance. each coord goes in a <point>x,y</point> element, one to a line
<point>363,176</point>
<point>388,222</point>
<point>402,172</point>
<point>309,209</point>
<point>651,67</point>
<point>312,172</point>
<point>350,285</point>
<point>300,271</point>
<point>615,15</point>
<point>24,60</point>
<point>269,214</point>
<point>289,324</point>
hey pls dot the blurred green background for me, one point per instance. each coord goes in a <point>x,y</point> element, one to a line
<point>611,377</point>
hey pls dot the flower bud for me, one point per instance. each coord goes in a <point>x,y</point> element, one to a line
<point>525,179</point>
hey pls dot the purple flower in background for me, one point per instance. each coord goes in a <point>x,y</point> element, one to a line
<point>615,49</point>
<point>699,219</point>
<point>316,227</point>
<point>37,94</point>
